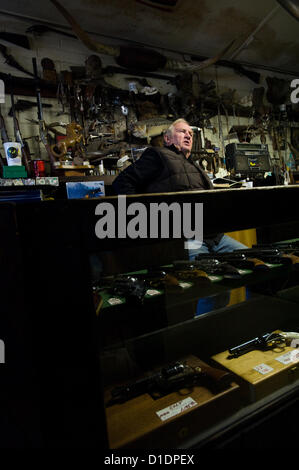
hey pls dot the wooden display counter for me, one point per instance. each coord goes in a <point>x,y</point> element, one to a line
<point>166,422</point>
<point>260,373</point>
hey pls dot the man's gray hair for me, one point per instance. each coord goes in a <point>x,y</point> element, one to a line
<point>170,130</point>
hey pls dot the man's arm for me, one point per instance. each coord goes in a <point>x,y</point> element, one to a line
<point>135,178</point>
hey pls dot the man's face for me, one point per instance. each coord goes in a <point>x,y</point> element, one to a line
<point>182,138</point>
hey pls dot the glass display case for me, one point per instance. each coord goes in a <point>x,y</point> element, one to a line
<point>110,345</point>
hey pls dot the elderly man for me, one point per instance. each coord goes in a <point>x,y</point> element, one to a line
<point>169,169</point>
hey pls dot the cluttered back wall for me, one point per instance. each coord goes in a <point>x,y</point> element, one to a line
<point>123,110</point>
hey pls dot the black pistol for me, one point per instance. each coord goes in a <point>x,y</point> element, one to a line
<point>264,342</point>
<point>172,378</point>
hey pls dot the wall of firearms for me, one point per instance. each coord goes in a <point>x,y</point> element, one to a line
<point>71,108</point>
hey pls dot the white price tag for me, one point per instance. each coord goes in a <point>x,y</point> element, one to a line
<point>214,278</point>
<point>185,285</point>
<point>294,355</point>
<point>152,292</point>
<point>176,408</point>
<point>263,368</point>
<point>114,301</point>
<point>285,358</point>
<point>243,271</point>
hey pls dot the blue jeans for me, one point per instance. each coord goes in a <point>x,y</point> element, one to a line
<point>225,245</point>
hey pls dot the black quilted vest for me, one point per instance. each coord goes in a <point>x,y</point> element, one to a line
<point>178,173</point>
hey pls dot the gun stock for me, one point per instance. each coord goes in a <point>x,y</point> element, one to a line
<point>219,376</point>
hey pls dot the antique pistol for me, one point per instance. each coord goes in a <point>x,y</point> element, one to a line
<point>211,265</point>
<point>159,278</point>
<point>283,246</point>
<point>131,287</point>
<point>287,250</point>
<point>272,255</point>
<point>169,277</point>
<point>265,342</point>
<point>237,259</point>
<point>172,378</point>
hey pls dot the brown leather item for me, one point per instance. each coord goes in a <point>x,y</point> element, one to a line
<point>73,136</point>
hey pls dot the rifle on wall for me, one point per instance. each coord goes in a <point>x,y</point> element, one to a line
<point>18,136</point>
<point>41,122</point>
